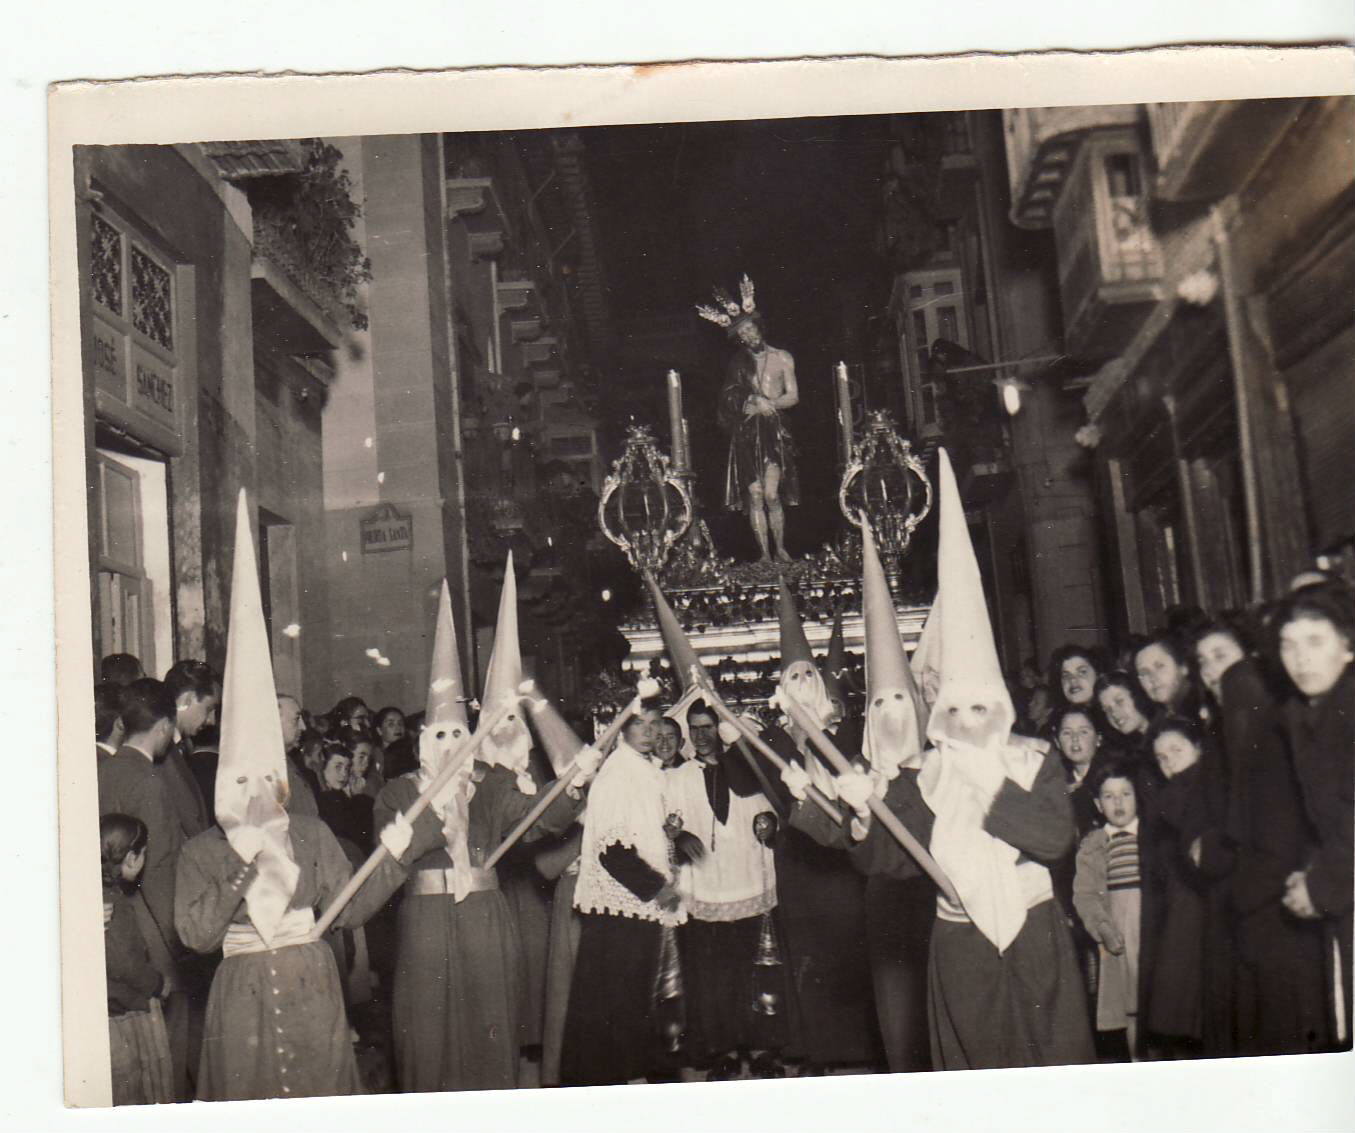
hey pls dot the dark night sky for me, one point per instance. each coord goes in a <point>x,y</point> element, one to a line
<point>794,203</point>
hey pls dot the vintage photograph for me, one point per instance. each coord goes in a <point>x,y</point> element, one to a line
<point>748,597</point>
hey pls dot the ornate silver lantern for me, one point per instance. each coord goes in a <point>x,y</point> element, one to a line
<point>645,506</point>
<point>886,483</point>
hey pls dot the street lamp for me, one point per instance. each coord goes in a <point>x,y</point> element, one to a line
<point>1011,388</point>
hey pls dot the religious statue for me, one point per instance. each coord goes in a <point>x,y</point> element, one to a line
<point>759,385</point>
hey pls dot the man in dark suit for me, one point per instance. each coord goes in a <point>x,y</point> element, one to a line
<point>300,798</point>
<point>196,690</point>
<point>108,730</point>
<point>129,785</point>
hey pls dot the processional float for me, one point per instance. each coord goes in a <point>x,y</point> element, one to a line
<point>646,510</point>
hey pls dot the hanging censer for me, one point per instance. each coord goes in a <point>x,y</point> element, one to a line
<point>767,956</point>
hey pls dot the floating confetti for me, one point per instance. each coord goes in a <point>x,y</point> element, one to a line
<point>291,630</point>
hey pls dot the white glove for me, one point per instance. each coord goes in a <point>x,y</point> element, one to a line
<point>728,733</point>
<point>246,841</point>
<point>586,765</point>
<point>796,780</point>
<point>396,836</point>
<point>856,790</point>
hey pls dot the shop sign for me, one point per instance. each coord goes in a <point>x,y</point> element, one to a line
<point>110,370</point>
<point>387,529</point>
<point>152,388</point>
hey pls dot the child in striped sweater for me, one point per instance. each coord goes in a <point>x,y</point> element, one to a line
<point>1107,896</point>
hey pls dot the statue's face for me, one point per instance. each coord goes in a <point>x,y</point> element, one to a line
<point>750,334</point>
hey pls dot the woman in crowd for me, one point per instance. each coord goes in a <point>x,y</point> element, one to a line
<point>364,773</point>
<point>1073,670</point>
<point>341,812</point>
<point>398,755</point>
<point>1077,735</point>
<point>1128,713</point>
<point>1163,668</point>
<point>1315,629</point>
<point>1182,1020</point>
<point>138,1042</point>
<point>351,712</point>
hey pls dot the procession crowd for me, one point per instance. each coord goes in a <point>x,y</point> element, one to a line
<point>1148,856</point>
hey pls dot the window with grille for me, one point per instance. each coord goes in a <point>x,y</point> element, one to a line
<point>134,332</point>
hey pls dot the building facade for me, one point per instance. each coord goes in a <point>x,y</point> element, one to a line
<point>1205,262</point>
<point>386,342</point>
<point>206,349</point>
<point>973,307</point>
<point>460,426</point>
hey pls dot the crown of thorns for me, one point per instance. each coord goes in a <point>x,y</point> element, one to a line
<point>727,310</point>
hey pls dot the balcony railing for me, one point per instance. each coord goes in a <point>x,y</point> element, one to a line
<point>1041,145</point>
<point>297,307</point>
<point>1110,259</point>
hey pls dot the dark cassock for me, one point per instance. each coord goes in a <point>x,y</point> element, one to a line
<point>729,895</point>
<point>625,901</point>
<point>821,911</point>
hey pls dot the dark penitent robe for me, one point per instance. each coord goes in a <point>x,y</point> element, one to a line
<point>821,911</point>
<point>1026,1006</point>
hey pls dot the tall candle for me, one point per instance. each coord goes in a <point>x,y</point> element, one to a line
<point>686,448</point>
<point>675,420</point>
<point>844,411</point>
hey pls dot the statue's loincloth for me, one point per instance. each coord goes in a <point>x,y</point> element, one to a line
<point>756,442</point>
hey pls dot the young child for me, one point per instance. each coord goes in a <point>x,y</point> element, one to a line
<point>1108,897</point>
<point>142,1070</point>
